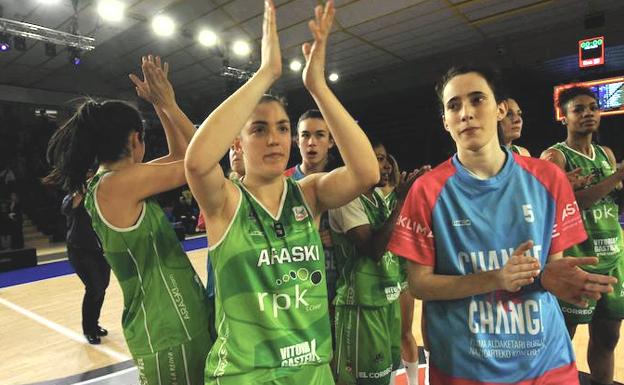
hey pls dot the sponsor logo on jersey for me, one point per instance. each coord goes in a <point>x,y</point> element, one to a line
<point>416,228</point>
<point>299,354</point>
<point>486,260</point>
<point>461,222</point>
<point>513,316</point>
<point>285,255</point>
<point>300,213</point>
<point>382,374</point>
<point>393,292</point>
<point>173,375</point>
<point>600,212</point>
<point>178,298</point>
<point>569,209</point>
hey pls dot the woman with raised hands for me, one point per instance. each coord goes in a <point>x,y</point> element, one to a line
<point>166,312</point>
<point>271,298</point>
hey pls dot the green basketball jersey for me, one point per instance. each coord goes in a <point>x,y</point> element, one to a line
<point>361,280</point>
<point>601,219</point>
<point>270,289</point>
<point>165,303</point>
<point>391,201</point>
<point>515,149</point>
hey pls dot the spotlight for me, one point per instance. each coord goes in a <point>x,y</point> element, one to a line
<point>5,43</point>
<point>207,38</point>
<point>295,65</point>
<point>111,10</point>
<point>50,49</point>
<point>74,56</point>
<point>241,48</point>
<point>20,43</point>
<point>163,25</point>
<point>333,77</point>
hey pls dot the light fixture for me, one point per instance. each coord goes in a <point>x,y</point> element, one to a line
<point>207,38</point>
<point>333,77</point>
<point>111,10</point>
<point>241,48</point>
<point>50,49</point>
<point>74,56</point>
<point>295,65</point>
<point>163,25</point>
<point>5,42</point>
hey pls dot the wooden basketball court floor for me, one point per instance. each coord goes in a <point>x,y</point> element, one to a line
<point>41,340</point>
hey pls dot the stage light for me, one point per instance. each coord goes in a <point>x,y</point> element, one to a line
<point>74,56</point>
<point>241,48</point>
<point>50,49</point>
<point>333,77</point>
<point>163,25</point>
<point>5,42</point>
<point>20,43</point>
<point>295,65</point>
<point>111,10</point>
<point>207,38</point>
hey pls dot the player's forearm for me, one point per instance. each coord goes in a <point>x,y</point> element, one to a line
<point>354,146</point>
<point>438,287</point>
<point>381,237</point>
<point>181,125</point>
<point>588,196</point>
<point>215,135</point>
<point>175,143</point>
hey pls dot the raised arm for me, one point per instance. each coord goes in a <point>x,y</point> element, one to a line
<point>217,132</point>
<point>156,89</point>
<point>361,171</point>
<point>519,271</point>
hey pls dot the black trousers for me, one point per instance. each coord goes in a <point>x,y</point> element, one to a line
<point>94,272</point>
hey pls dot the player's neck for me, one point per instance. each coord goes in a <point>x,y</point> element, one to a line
<point>311,168</point>
<point>580,142</point>
<point>485,162</point>
<point>267,191</point>
<point>117,165</point>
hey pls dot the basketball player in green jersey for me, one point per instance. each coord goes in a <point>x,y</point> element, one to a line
<point>368,319</point>
<point>165,317</point>
<point>271,296</point>
<point>512,127</point>
<point>600,217</point>
<point>409,346</point>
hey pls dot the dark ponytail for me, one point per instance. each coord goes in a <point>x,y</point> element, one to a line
<point>96,133</point>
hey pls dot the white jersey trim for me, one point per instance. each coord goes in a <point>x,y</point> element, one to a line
<point>281,206</point>
<point>593,157</point>
<point>107,223</point>
<point>227,230</point>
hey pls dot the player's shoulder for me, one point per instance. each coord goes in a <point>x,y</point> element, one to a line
<point>545,171</point>
<point>430,184</point>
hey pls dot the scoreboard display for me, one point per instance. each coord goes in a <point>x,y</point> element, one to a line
<point>591,52</point>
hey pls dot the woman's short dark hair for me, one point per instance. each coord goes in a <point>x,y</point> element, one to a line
<point>568,94</point>
<point>491,75</point>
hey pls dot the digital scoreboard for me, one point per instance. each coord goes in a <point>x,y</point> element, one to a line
<point>591,52</point>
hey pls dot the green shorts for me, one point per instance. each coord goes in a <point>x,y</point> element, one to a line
<point>609,306</point>
<point>368,347</point>
<point>181,364</point>
<point>307,374</point>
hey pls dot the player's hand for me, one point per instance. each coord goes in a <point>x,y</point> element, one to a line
<point>155,88</point>
<point>520,270</point>
<point>566,280</point>
<point>314,71</point>
<point>407,180</point>
<point>577,180</point>
<point>271,56</point>
<point>326,238</point>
